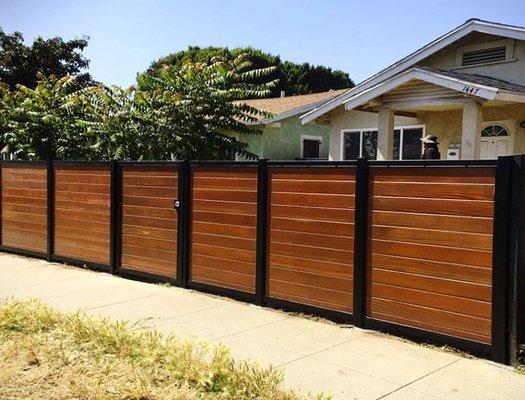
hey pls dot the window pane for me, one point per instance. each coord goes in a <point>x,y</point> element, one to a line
<point>351,145</point>
<point>397,134</point>
<point>370,145</point>
<point>412,147</point>
<point>311,148</point>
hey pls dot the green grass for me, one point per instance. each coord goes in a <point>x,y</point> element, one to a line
<point>51,355</point>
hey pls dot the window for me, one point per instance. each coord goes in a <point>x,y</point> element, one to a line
<point>359,143</point>
<point>407,143</point>
<point>494,130</point>
<point>311,146</point>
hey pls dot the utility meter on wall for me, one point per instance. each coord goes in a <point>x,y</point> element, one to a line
<point>454,152</point>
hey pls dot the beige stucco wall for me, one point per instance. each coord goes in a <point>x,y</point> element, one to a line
<point>446,125</point>
<point>344,119</point>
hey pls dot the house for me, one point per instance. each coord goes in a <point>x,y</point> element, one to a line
<point>466,87</point>
<point>283,136</point>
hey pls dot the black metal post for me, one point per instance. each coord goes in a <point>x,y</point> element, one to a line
<point>50,210</point>
<point>360,242</point>
<point>262,224</point>
<point>500,260</point>
<point>115,216</point>
<point>182,219</point>
<point>185,232</point>
<point>516,255</point>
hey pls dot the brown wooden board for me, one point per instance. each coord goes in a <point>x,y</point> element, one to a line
<point>24,207</point>
<point>311,236</point>
<point>82,212</point>
<point>149,220</point>
<point>430,249</point>
<point>223,227</point>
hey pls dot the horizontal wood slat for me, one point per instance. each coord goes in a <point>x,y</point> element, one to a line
<point>430,249</point>
<point>149,220</point>
<point>310,236</point>
<point>223,227</point>
<point>82,212</point>
<point>24,207</point>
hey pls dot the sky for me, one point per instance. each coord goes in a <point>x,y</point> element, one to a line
<point>359,37</point>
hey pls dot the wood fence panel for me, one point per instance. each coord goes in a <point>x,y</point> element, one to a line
<point>223,227</point>
<point>311,236</point>
<point>430,249</point>
<point>24,207</point>
<point>82,212</point>
<point>149,219</point>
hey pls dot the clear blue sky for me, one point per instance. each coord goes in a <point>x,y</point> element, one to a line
<point>359,37</point>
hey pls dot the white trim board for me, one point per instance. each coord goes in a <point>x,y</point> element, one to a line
<point>472,25</point>
<point>360,130</point>
<point>459,85</point>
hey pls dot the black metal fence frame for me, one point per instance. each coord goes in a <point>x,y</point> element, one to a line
<point>508,251</point>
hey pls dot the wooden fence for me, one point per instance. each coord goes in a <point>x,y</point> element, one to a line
<point>432,250</point>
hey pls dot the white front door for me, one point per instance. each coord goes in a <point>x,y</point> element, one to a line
<point>493,147</point>
<point>494,141</point>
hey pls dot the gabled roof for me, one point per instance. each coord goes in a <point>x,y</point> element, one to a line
<point>288,106</point>
<point>472,25</point>
<point>478,85</point>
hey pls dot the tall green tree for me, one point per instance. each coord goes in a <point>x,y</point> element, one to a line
<point>20,64</point>
<point>292,78</point>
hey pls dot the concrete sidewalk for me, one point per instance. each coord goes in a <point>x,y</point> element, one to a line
<point>317,356</point>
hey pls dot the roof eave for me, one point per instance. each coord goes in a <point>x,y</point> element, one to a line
<point>408,61</point>
<point>459,85</point>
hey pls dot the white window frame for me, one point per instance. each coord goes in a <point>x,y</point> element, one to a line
<point>509,52</point>
<point>401,134</point>
<point>311,137</point>
<point>360,131</point>
<point>401,128</point>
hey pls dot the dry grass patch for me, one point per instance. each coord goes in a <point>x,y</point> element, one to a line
<point>51,355</point>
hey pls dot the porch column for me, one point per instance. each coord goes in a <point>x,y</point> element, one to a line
<point>385,136</point>
<point>471,130</point>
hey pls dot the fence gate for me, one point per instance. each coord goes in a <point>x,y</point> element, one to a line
<point>149,220</point>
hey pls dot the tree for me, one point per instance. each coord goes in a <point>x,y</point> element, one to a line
<point>293,78</point>
<point>188,112</point>
<point>20,64</point>
<point>48,122</point>
<point>193,109</point>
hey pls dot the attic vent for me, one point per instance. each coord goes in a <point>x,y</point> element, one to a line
<point>484,56</point>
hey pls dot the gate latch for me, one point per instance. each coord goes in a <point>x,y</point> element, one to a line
<point>176,203</point>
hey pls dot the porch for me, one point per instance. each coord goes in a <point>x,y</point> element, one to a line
<point>473,116</point>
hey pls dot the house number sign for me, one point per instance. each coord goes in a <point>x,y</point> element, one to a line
<point>470,89</point>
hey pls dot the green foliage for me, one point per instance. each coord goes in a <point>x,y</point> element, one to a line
<point>293,78</point>
<point>20,64</point>
<point>47,122</point>
<point>184,113</point>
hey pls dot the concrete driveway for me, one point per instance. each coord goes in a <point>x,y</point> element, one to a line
<point>317,356</point>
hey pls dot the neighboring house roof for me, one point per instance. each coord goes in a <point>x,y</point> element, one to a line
<point>472,25</point>
<point>288,106</point>
<point>471,84</point>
